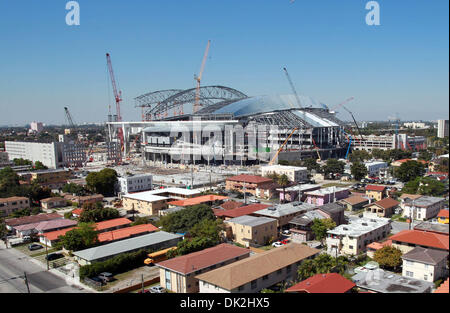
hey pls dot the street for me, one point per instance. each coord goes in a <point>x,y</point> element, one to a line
<point>13,264</point>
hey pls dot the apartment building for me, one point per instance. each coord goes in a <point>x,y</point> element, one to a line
<point>407,240</point>
<point>251,230</point>
<point>294,173</point>
<point>442,128</point>
<point>352,239</point>
<point>389,142</point>
<point>12,204</point>
<point>422,208</point>
<point>249,183</point>
<point>179,274</point>
<point>53,202</point>
<point>284,213</point>
<point>51,178</point>
<point>326,195</point>
<point>135,183</point>
<point>257,272</point>
<point>375,168</point>
<point>425,264</point>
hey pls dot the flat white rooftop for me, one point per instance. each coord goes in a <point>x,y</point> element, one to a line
<point>359,227</point>
<point>325,191</point>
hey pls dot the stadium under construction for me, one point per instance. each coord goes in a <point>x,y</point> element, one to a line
<point>224,126</point>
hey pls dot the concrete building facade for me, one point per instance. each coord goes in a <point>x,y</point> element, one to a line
<point>135,183</point>
<point>12,204</point>
<point>252,231</point>
<point>442,128</point>
<point>294,173</point>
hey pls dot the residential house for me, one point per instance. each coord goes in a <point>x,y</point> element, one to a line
<point>323,283</point>
<point>443,216</point>
<point>284,213</point>
<point>296,192</point>
<point>425,264</point>
<point>40,228</point>
<point>423,208</point>
<point>382,208</point>
<point>12,223</point>
<point>54,202</point>
<point>134,183</point>
<point>380,281</point>
<point>179,274</point>
<point>376,192</point>
<point>437,228</point>
<point>355,202</point>
<point>12,204</point>
<point>326,195</point>
<point>335,211</point>
<point>300,226</point>
<point>154,241</point>
<point>353,238</point>
<point>80,200</point>
<point>407,240</point>
<point>252,231</point>
<point>260,271</point>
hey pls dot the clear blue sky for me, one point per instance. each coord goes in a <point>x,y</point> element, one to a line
<point>331,54</point>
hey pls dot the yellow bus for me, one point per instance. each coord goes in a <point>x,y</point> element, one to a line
<point>158,256</point>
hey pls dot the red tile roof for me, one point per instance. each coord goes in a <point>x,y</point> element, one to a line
<point>197,200</point>
<point>386,203</point>
<point>422,238</point>
<point>375,188</point>
<point>379,245</point>
<point>112,223</point>
<point>444,287</point>
<point>53,235</point>
<point>77,211</point>
<point>243,210</point>
<point>407,160</point>
<point>202,259</point>
<point>126,232</point>
<point>443,213</point>
<point>323,283</point>
<point>252,179</point>
<point>229,205</point>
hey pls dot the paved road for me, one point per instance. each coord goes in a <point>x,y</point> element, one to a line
<point>13,264</point>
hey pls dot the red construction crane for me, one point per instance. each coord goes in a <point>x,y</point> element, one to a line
<point>117,97</point>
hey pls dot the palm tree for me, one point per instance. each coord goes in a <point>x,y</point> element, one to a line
<point>283,181</point>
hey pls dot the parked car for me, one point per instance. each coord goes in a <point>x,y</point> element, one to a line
<point>286,232</point>
<point>26,238</point>
<point>284,241</point>
<point>54,256</point>
<point>277,244</point>
<point>97,280</point>
<point>254,201</point>
<point>157,289</point>
<point>34,246</point>
<point>106,276</point>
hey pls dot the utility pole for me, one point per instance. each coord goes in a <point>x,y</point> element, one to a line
<point>46,253</point>
<point>245,195</point>
<point>26,281</point>
<point>142,280</point>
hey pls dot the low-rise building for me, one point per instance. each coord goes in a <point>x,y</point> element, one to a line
<point>80,200</point>
<point>11,223</point>
<point>11,204</point>
<point>294,173</point>
<point>382,208</point>
<point>154,241</point>
<point>251,230</point>
<point>134,183</point>
<point>257,272</point>
<point>326,195</point>
<point>40,228</point>
<point>380,281</point>
<point>297,192</point>
<point>425,264</point>
<point>437,228</point>
<point>255,185</point>
<point>54,202</point>
<point>206,199</point>
<point>323,283</point>
<point>376,192</point>
<point>353,238</point>
<point>423,208</point>
<point>407,240</point>
<point>145,203</point>
<point>354,202</point>
<point>179,274</point>
<point>284,213</point>
<point>50,178</point>
<point>240,211</point>
<point>374,168</point>
<point>300,226</point>
<point>375,246</point>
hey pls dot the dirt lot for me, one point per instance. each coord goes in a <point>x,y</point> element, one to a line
<point>131,278</point>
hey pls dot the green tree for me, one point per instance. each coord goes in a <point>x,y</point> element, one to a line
<point>321,226</point>
<point>358,170</point>
<point>283,181</point>
<point>207,228</point>
<point>74,189</point>
<point>425,155</point>
<point>359,156</point>
<point>19,162</point>
<point>38,165</point>
<point>425,186</point>
<point>322,264</point>
<point>95,212</point>
<point>184,220</point>
<point>82,237</point>
<point>409,171</point>
<point>311,164</point>
<point>388,257</point>
<point>102,182</point>
<point>333,166</point>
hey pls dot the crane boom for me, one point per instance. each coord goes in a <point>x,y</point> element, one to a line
<point>293,88</point>
<point>117,93</point>
<point>281,148</point>
<point>199,78</point>
<point>69,117</point>
<point>342,103</point>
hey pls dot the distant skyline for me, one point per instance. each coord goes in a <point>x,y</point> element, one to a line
<point>330,52</point>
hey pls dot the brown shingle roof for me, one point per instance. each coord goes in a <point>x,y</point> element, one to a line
<point>32,219</point>
<point>427,256</point>
<point>243,210</point>
<point>355,200</point>
<point>4,200</point>
<point>202,259</point>
<point>229,205</point>
<point>244,271</point>
<point>385,203</point>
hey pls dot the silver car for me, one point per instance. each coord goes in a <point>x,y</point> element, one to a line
<point>157,289</point>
